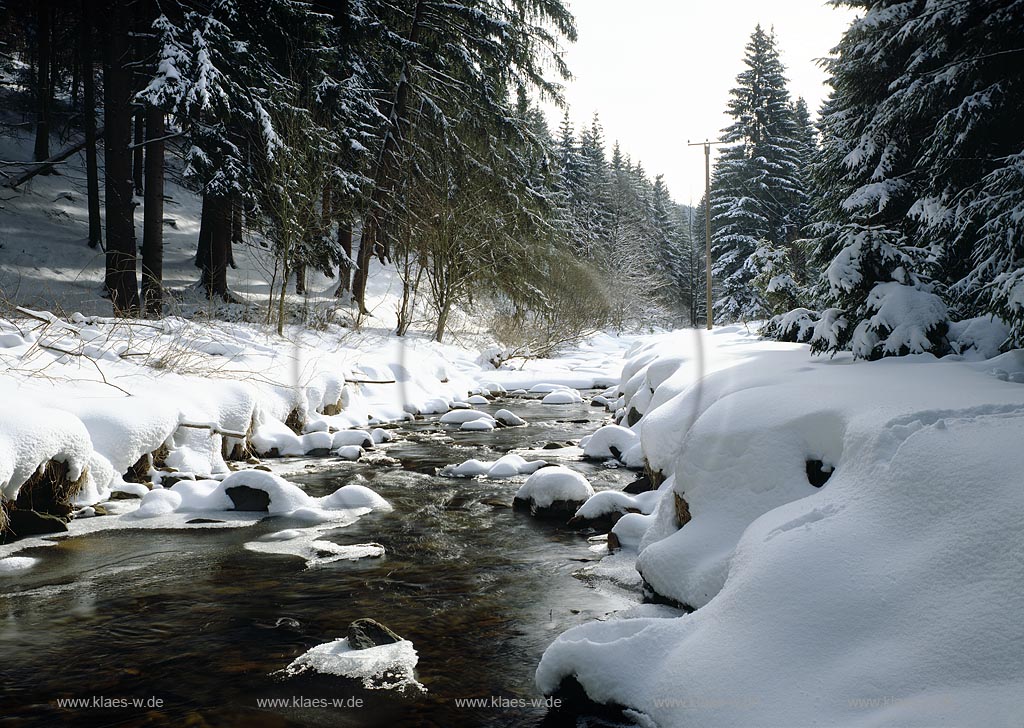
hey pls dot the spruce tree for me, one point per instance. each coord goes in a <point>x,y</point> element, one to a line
<point>757,190</point>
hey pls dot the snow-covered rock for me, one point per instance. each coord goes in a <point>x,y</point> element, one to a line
<point>509,418</point>
<point>563,396</point>
<point>459,417</point>
<point>507,466</point>
<point>555,491</point>
<point>611,441</point>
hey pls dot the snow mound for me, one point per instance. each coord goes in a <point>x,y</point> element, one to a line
<point>35,436</point>
<point>462,416</point>
<point>343,438</point>
<point>509,418</point>
<point>258,490</point>
<point>478,399</point>
<point>847,533</point>
<point>385,666</point>
<point>611,441</point>
<point>478,425</point>
<point>554,484</point>
<point>507,466</point>
<point>563,396</point>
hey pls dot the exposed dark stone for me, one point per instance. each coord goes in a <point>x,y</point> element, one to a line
<point>571,702</point>
<point>203,520</point>
<point>616,453</point>
<point>125,495</point>
<point>139,472</point>
<point>642,484</point>
<point>653,597</point>
<point>633,416</point>
<point>295,421</point>
<point>602,523</point>
<point>818,473</point>
<point>264,468</point>
<point>682,510</point>
<point>49,490</point>
<point>22,523</point>
<point>553,446</point>
<point>560,510</point>
<point>248,499</point>
<point>366,633</point>
<point>319,452</point>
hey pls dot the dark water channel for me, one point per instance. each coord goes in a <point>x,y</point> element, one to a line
<point>193,619</point>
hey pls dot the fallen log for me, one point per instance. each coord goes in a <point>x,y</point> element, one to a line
<point>40,167</point>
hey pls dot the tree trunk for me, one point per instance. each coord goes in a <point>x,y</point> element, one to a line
<point>121,277</point>
<point>214,243</point>
<point>153,215</point>
<point>89,104</point>
<point>366,244</point>
<point>43,82</point>
<point>300,279</point>
<point>388,167</point>
<point>237,224</point>
<point>442,319</point>
<point>345,267</point>
<point>139,152</point>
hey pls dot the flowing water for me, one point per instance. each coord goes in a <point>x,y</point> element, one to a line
<point>195,626</point>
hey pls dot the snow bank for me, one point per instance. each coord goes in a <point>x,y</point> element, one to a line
<point>31,436</point>
<point>889,595</point>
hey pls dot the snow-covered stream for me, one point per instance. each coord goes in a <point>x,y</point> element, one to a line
<point>199,621</point>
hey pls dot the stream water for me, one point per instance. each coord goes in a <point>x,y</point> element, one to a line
<point>195,626</point>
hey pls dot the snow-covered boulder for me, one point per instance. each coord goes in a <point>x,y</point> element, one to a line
<point>611,441</point>
<point>508,418</point>
<point>563,396</point>
<point>362,438</point>
<point>507,466</point>
<point>459,417</point>
<point>477,399</point>
<point>553,492</point>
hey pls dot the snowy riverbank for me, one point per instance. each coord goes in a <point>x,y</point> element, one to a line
<point>847,534</point>
<point>114,401</point>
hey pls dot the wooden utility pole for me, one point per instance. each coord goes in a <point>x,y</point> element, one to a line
<point>707,218</point>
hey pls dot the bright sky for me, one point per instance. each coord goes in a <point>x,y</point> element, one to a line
<point>659,71</point>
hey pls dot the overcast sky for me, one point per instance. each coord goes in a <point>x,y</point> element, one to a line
<point>659,71</point>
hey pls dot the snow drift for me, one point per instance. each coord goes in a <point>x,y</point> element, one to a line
<point>848,535</point>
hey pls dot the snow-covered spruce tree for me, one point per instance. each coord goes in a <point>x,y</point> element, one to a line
<point>963,84</point>
<point>757,189</point>
<point>216,79</point>
<point>879,295</point>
